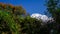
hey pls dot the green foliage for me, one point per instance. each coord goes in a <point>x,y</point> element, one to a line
<point>16,10</point>
<point>15,23</point>
<point>54,9</point>
<point>31,26</point>
<point>20,24</point>
<point>10,21</point>
<point>13,20</point>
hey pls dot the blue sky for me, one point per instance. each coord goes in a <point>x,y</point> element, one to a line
<point>31,6</point>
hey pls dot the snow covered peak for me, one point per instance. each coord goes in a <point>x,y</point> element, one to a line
<point>44,18</point>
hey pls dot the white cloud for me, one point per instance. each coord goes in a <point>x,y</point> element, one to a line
<point>44,18</point>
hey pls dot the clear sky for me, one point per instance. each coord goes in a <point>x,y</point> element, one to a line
<point>31,6</point>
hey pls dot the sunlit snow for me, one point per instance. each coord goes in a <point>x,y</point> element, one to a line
<point>38,16</point>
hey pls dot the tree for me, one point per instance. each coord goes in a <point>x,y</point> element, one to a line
<point>16,10</point>
<point>54,9</point>
<point>15,22</point>
<point>9,21</point>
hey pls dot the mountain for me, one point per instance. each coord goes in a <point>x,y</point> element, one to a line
<point>44,18</point>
